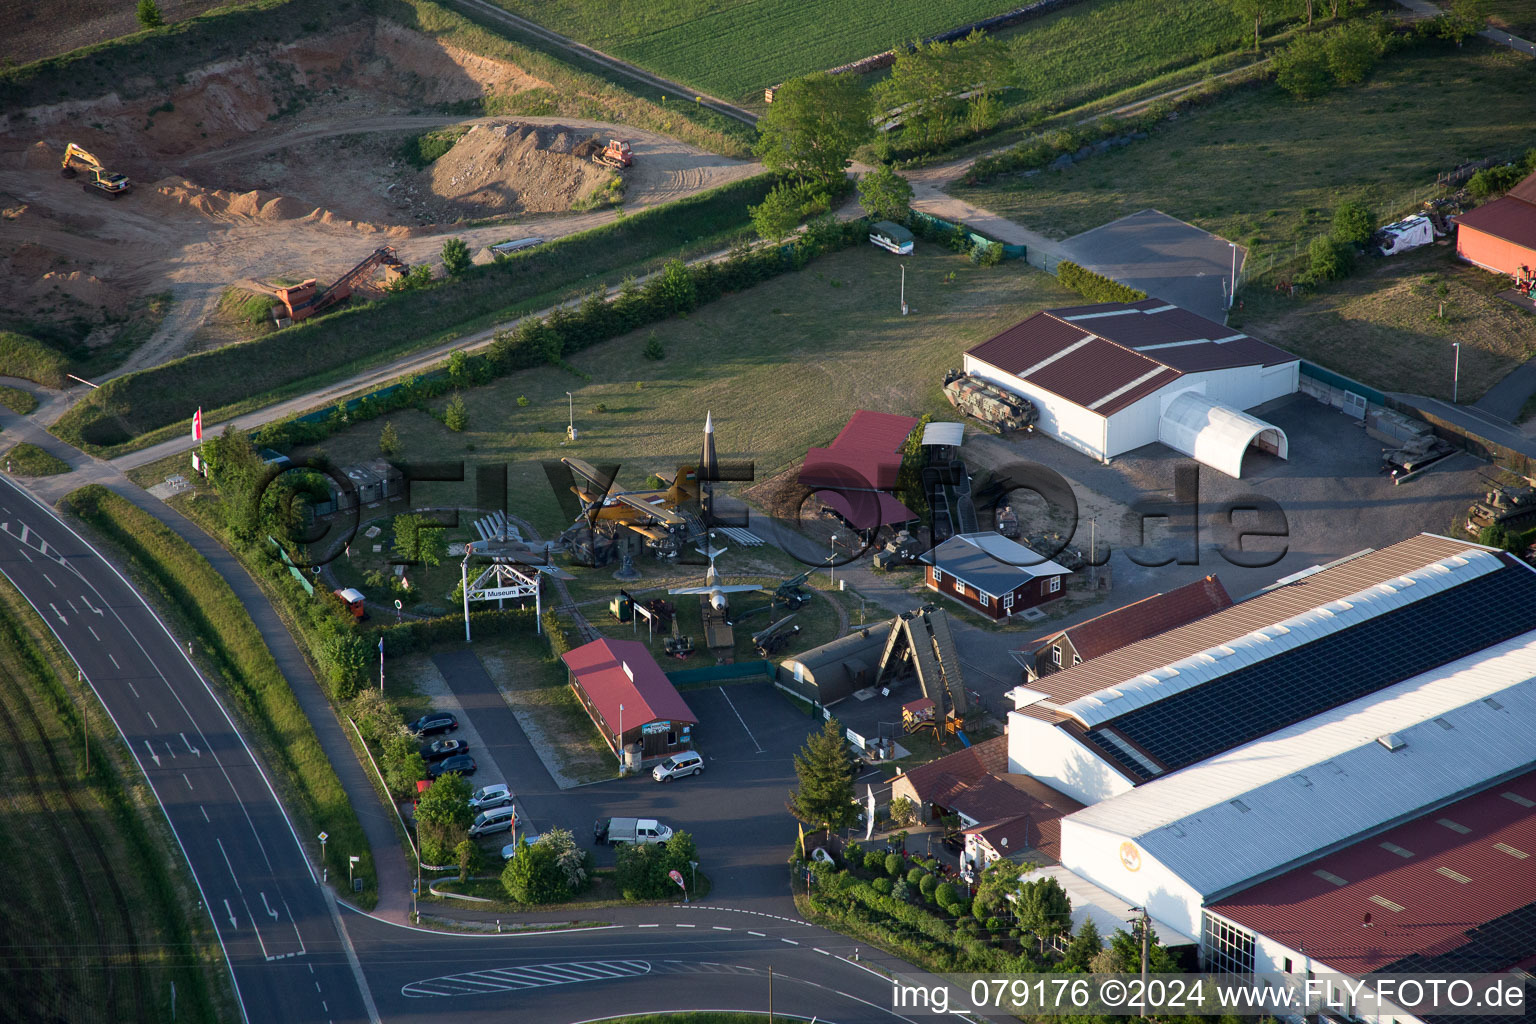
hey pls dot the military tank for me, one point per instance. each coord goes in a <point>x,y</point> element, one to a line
<point>903,549</point>
<point>985,401</point>
<point>1510,507</point>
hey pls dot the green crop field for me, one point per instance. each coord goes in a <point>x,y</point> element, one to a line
<point>1266,170</point>
<point>735,48</point>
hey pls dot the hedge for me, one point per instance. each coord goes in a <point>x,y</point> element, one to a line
<point>1095,287</point>
<point>228,639</point>
<point>326,347</point>
<point>24,357</point>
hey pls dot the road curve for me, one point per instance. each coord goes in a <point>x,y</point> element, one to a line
<point>281,934</point>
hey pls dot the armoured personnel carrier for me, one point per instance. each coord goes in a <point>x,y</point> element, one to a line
<point>985,401</point>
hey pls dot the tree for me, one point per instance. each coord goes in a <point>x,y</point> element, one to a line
<point>1042,907</point>
<point>1086,945</point>
<point>1126,951</point>
<point>418,276</point>
<point>458,368</point>
<point>1301,68</point>
<point>468,855</point>
<point>653,348</point>
<point>389,439</point>
<point>533,876</point>
<point>938,89</point>
<point>1254,10</point>
<point>902,811</point>
<point>825,773</point>
<point>455,415</point>
<point>1338,8</point>
<point>149,14</point>
<point>999,879</point>
<point>455,256</point>
<point>403,765</point>
<point>813,126</point>
<point>1353,49</point>
<point>775,218</point>
<point>418,539</point>
<point>1496,535</point>
<point>1466,17</point>
<point>673,288</point>
<point>570,859</point>
<point>885,194</point>
<point>443,817</point>
<point>1352,224</point>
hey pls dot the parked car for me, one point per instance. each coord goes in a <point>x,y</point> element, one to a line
<point>510,850</point>
<point>497,819</point>
<point>439,749</point>
<point>486,797</point>
<point>689,762</point>
<point>640,831</point>
<point>462,764</point>
<point>438,721</point>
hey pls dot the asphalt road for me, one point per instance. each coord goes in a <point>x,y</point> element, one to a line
<point>278,927</point>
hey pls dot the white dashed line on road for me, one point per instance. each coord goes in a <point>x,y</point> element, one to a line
<point>792,942</point>
<point>721,928</point>
<point>151,718</point>
<point>758,934</point>
<point>650,926</point>
<point>821,951</point>
<point>686,926</point>
<point>93,633</point>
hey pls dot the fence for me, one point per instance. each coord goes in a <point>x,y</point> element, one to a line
<point>1010,252</point>
<point>1277,265</point>
<point>712,673</point>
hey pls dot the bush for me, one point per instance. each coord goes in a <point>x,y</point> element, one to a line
<point>653,348</point>
<point>533,876</point>
<point>853,855</point>
<point>1301,68</point>
<point>149,14</point>
<point>21,356</point>
<point>894,864</point>
<point>900,890</point>
<point>643,870</point>
<point>456,415</point>
<point>1496,535</point>
<point>1327,259</point>
<point>389,439</point>
<point>455,257</point>
<point>915,877</point>
<point>1095,287</point>
<point>1352,224</point>
<point>928,885</point>
<point>881,886</point>
<point>945,895</point>
<point>1353,50</point>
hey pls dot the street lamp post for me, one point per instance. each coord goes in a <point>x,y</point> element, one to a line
<point>903,289</point>
<point>570,426</point>
<point>1232,292</point>
<point>325,873</point>
<point>351,863</point>
<point>621,739</point>
<point>1456,373</point>
<point>832,562</point>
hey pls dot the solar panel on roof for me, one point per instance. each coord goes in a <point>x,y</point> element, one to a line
<point>1259,699</point>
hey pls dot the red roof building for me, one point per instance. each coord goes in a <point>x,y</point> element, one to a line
<point>862,461</point>
<point>1451,890</point>
<point>629,698</point>
<point>1501,236</point>
<point>1124,626</point>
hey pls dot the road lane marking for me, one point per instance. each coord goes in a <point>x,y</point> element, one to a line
<point>792,942</point>
<point>52,584</point>
<point>721,928</point>
<point>93,634</point>
<point>58,613</point>
<point>231,913</point>
<point>131,687</point>
<point>686,926</point>
<point>821,951</point>
<point>227,864</point>
<point>190,748</point>
<point>512,979</point>
<point>650,926</point>
<point>272,913</point>
<point>205,814</point>
<point>119,668</point>
<point>72,606</point>
<point>758,934</point>
<point>189,781</point>
<point>743,721</point>
<point>153,724</point>
<point>152,755</point>
<point>170,750</point>
<point>23,553</point>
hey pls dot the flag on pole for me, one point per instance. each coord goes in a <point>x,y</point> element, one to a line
<point>381,645</point>
<point>802,838</point>
<point>869,820</point>
<point>197,424</point>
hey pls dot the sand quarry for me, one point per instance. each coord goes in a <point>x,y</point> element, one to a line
<point>286,164</point>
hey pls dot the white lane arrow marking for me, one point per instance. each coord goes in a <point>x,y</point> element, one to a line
<point>90,607</point>
<point>194,750</point>
<point>58,613</point>
<point>270,911</point>
<point>154,756</point>
<point>232,922</point>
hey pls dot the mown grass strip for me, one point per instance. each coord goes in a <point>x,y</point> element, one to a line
<point>241,377</point>
<point>17,400</point>
<point>67,970</point>
<point>224,632</point>
<point>27,459</point>
<point>24,357</point>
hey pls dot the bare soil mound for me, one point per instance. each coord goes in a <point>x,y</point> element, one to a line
<point>516,168</point>
<point>256,205</point>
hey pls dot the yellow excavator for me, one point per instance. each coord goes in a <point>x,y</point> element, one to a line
<point>107,182</point>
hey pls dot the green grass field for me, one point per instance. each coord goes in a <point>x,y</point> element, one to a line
<point>101,922</point>
<point>27,459</point>
<point>17,400</point>
<point>1266,170</point>
<point>781,367</point>
<point>735,48</point>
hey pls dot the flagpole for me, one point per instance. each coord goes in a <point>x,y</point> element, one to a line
<point>381,666</point>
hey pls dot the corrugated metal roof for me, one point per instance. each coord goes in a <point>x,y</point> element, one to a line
<point>991,562</point>
<point>950,434</point>
<point>1147,617</point>
<point>1511,219</point>
<point>1408,885</point>
<point>1281,637</point>
<point>865,453</point>
<point>1326,780</point>
<point>1276,605</point>
<point>1526,190</point>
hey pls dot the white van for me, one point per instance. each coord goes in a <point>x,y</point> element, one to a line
<point>497,819</point>
<point>689,762</point>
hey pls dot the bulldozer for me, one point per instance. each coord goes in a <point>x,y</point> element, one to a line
<point>616,154</point>
<point>109,183</point>
<point>302,301</point>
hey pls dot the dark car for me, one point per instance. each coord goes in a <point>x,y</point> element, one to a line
<point>462,764</point>
<point>439,749</point>
<point>426,725</point>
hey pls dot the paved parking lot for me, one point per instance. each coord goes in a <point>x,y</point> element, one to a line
<point>1164,257</point>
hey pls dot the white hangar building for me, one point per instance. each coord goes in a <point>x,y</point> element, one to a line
<point>1110,378</point>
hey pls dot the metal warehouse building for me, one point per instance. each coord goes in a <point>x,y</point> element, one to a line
<point>1110,378</point>
<point>1501,236</point>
